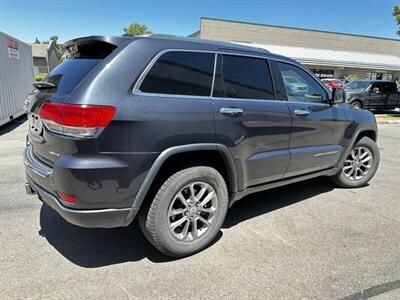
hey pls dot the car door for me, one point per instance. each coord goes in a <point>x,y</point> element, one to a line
<point>377,97</point>
<point>249,120</point>
<point>390,90</point>
<point>317,127</point>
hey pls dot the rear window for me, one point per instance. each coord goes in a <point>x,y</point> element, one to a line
<point>181,73</point>
<point>69,74</point>
<point>83,58</point>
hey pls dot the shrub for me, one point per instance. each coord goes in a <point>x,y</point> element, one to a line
<point>351,77</point>
<point>40,76</point>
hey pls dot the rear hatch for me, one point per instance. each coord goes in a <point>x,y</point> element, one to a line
<point>84,55</point>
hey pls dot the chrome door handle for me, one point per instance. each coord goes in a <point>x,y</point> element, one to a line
<point>231,111</point>
<point>301,112</point>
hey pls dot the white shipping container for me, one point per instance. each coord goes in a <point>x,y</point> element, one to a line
<point>16,76</point>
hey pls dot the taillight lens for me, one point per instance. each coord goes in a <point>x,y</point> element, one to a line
<point>75,119</point>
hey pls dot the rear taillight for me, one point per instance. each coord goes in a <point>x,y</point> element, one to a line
<point>75,119</point>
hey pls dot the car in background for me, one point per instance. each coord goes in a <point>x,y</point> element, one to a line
<point>332,83</point>
<point>372,94</point>
<point>294,85</point>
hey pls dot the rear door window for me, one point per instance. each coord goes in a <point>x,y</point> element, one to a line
<point>181,73</point>
<point>243,77</point>
<point>389,87</point>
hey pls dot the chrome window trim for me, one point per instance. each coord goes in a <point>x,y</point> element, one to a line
<point>136,89</point>
<point>142,76</point>
<point>140,93</point>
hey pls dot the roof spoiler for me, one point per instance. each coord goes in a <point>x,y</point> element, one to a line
<point>113,40</point>
<point>92,46</point>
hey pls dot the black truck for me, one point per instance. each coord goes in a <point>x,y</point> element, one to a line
<point>372,94</point>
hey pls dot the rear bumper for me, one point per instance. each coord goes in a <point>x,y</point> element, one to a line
<point>103,218</point>
<point>99,187</point>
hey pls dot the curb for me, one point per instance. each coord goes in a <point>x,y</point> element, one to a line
<point>387,122</point>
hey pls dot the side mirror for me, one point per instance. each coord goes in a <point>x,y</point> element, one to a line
<point>338,96</point>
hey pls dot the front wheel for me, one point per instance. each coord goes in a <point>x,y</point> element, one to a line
<point>360,164</point>
<point>356,104</point>
<point>187,212</point>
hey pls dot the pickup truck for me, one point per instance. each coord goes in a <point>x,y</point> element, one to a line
<point>372,94</point>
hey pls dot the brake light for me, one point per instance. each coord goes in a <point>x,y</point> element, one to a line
<point>75,119</point>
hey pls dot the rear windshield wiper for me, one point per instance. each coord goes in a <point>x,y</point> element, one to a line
<point>42,85</point>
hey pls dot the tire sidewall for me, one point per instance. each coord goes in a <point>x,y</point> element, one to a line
<point>205,174</point>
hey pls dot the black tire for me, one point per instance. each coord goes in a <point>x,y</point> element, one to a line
<point>342,181</point>
<point>356,104</point>
<point>155,222</point>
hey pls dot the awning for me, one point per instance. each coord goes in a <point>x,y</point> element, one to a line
<point>330,57</point>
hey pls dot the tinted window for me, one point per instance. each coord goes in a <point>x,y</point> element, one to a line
<point>389,87</point>
<point>181,73</point>
<point>243,77</point>
<point>300,86</point>
<point>83,59</point>
<point>69,74</point>
<point>378,85</point>
<point>357,85</point>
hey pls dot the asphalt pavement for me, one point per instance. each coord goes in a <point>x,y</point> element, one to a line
<point>308,240</point>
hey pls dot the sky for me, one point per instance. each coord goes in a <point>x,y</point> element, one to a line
<point>28,19</point>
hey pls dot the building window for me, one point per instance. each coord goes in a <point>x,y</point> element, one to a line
<point>380,76</point>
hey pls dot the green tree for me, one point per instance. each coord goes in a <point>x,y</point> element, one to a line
<point>58,47</point>
<point>136,29</point>
<point>37,41</point>
<point>396,14</point>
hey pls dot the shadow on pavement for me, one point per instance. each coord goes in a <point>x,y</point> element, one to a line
<point>264,202</point>
<point>10,126</point>
<point>92,248</point>
<point>97,247</point>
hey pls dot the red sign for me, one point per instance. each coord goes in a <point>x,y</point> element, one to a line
<point>12,44</point>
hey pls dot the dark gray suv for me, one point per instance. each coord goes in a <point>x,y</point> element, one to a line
<point>176,130</point>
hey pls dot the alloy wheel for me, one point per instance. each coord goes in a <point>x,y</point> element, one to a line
<point>358,163</point>
<point>192,211</point>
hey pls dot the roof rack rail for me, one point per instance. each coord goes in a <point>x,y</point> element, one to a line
<point>157,35</point>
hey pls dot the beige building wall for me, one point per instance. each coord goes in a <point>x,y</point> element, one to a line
<point>248,32</point>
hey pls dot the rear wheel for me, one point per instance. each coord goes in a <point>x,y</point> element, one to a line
<point>360,164</point>
<point>356,104</point>
<point>187,212</point>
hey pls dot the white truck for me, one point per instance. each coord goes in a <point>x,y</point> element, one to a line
<point>16,76</point>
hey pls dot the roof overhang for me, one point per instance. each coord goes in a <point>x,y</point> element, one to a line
<point>334,58</point>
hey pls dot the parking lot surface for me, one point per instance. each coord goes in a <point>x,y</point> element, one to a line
<point>307,240</point>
